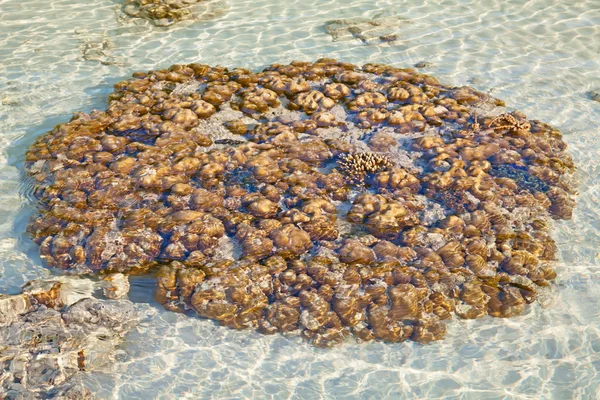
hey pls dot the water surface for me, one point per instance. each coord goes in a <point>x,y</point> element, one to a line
<point>540,56</point>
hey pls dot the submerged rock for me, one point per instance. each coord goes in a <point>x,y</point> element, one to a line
<point>115,286</point>
<point>521,177</point>
<point>53,334</point>
<point>423,64</point>
<point>323,198</point>
<point>168,12</point>
<point>380,29</point>
<point>97,48</point>
<point>594,95</point>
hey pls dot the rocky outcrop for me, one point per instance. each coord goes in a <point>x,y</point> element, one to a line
<point>54,332</point>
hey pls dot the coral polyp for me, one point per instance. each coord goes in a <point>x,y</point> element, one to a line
<point>358,165</point>
<point>321,198</point>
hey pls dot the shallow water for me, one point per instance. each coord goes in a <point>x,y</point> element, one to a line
<point>541,57</point>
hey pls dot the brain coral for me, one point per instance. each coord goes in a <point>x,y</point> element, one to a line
<point>321,198</point>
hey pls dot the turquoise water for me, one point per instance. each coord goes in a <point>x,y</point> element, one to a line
<point>542,57</point>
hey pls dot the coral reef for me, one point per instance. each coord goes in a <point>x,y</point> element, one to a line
<point>321,198</point>
<point>521,177</point>
<point>168,12</point>
<point>359,165</point>
<point>52,333</point>
<point>507,121</point>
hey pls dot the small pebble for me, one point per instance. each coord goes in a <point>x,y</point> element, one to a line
<point>423,64</point>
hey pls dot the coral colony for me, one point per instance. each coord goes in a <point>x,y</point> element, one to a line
<point>322,198</point>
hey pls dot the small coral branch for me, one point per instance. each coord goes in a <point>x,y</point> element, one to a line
<point>358,165</point>
<point>509,122</point>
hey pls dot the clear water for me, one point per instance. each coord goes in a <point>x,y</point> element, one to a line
<point>540,56</point>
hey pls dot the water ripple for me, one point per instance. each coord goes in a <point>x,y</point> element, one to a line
<point>540,56</point>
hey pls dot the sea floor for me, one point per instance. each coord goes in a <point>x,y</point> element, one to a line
<point>541,57</point>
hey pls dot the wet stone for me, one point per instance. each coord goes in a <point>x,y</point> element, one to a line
<point>382,28</point>
<point>323,198</point>
<point>116,286</point>
<point>423,64</point>
<point>63,333</point>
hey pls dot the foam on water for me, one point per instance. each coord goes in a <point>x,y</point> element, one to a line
<point>540,56</point>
